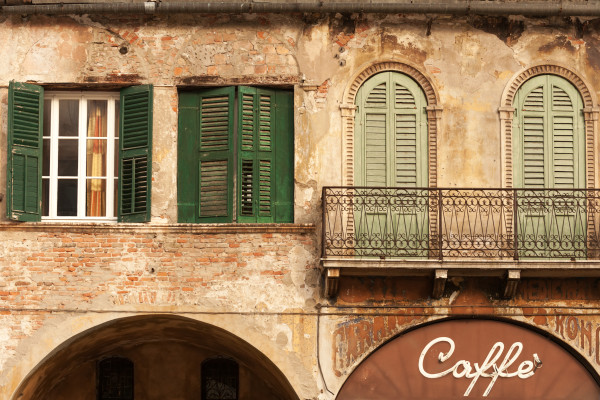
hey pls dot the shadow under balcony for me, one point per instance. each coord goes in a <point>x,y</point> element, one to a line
<point>442,232</point>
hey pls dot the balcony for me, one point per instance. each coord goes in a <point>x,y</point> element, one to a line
<point>461,232</point>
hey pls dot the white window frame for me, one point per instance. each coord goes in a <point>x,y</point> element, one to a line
<point>111,135</point>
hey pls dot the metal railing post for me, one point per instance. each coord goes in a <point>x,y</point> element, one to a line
<point>440,223</point>
<point>323,235</point>
<point>515,225</point>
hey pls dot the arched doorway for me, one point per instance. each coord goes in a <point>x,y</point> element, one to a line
<point>467,358</point>
<point>167,355</point>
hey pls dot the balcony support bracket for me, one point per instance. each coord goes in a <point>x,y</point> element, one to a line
<point>439,283</point>
<point>513,276</point>
<point>332,277</point>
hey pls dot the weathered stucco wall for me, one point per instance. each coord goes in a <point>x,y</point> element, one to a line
<point>264,287</point>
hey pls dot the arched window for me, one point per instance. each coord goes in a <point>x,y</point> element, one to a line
<point>220,379</point>
<point>549,163</point>
<point>391,147</point>
<point>115,379</point>
<point>549,139</point>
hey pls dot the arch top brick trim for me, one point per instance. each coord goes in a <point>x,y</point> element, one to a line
<point>367,71</point>
<point>508,96</point>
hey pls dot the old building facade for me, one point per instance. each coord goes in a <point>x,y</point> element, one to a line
<point>298,200</point>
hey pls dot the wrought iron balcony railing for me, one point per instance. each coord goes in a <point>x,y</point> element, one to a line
<point>436,223</point>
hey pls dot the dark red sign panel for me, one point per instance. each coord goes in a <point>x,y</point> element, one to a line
<point>471,359</point>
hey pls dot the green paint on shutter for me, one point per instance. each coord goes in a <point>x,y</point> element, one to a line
<point>391,133</point>
<point>256,120</point>
<point>265,145</point>
<point>549,146</point>
<point>187,157</point>
<point>391,150</point>
<point>135,167</point>
<point>549,153</point>
<point>215,155</point>
<point>24,172</point>
<point>284,157</point>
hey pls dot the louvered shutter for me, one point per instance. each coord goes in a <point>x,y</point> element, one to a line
<point>410,133</point>
<point>215,155</point>
<point>534,149</point>
<point>568,149</point>
<point>372,141</point>
<point>256,128</point>
<point>135,167</point>
<point>549,145</point>
<point>24,173</point>
<point>391,138</point>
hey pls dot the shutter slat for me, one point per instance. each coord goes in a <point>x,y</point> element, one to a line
<point>403,97</point>
<point>214,193</point>
<point>533,151</point>
<point>377,98</point>
<point>375,149</point>
<point>215,154</point>
<point>215,123</point>
<point>534,100</point>
<point>406,150</point>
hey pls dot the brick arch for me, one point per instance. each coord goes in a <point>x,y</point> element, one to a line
<point>590,114</point>
<point>348,108</point>
<point>547,69</point>
<point>375,68</point>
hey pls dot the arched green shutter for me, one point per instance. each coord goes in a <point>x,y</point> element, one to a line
<point>391,133</point>
<point>391,150</point>
<point>549,146</point>
<point>549,153</point>
<point>24,166</point>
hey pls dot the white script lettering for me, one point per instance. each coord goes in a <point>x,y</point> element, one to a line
<point>489,367</point>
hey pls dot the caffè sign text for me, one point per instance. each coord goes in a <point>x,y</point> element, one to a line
<point>491,367</point>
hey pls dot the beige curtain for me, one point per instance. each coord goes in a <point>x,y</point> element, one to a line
<point>96,159</point>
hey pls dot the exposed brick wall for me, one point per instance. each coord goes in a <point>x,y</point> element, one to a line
<point>44,272</point>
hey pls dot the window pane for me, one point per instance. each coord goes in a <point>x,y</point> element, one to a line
<point>115,379</point>
<point>96,157</point>
<point>46,158</point>
<point>96,118</point>
<point>220,379</point>
<point>47,115</point>
<point>67,157</point>
<point>45,197</point>
<point>67,198</point>
<point>95,198</point>
<point>68,119</point>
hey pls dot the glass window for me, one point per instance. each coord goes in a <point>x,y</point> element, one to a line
<point>220,377</point>
<point>79,172</point>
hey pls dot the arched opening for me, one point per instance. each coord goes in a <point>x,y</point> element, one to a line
<point>457,358</point>
<point>166,353</point>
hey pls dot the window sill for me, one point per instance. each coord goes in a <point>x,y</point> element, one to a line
<point>193,229</point>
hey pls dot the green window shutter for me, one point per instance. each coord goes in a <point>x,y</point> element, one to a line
<point>284,157</point>
<point>24,172</point>
<point>256,139</point>
<point>215,155</point>
<point>374,105</point>
<point>135,166</point>
<point>549,144</point>
<point>391,133</point>
<point>265,189</point>
<point>187,157</point>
